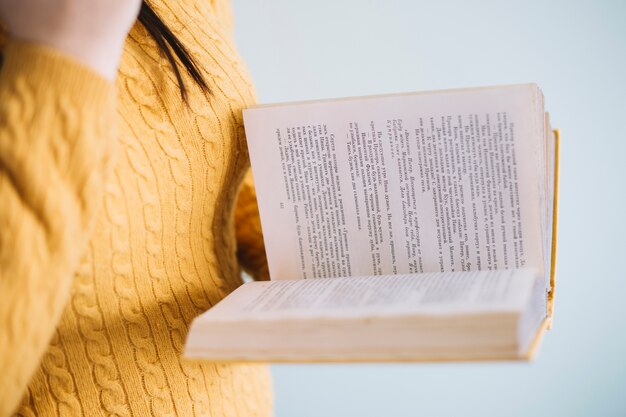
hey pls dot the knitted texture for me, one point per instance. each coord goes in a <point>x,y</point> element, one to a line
<point>117,227</point>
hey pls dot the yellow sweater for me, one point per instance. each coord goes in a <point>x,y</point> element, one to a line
<point>116,227</point>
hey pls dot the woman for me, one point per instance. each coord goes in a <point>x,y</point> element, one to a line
<point>118,186</point>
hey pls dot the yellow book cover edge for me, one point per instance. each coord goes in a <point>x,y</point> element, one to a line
<point>555,211</point>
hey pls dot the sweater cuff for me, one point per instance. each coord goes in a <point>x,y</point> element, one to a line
<point>53,70</point>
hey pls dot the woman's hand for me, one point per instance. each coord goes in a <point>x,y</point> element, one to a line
<point>91,31</point>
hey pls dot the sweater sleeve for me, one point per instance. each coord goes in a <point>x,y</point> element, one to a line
<point>250,246</point>
<point>56,143</point>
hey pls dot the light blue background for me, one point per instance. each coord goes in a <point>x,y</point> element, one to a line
<point>576,52</point>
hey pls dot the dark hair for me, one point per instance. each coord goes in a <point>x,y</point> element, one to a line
<point>170,45</point>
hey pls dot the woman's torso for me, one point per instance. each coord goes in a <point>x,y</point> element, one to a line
<point>163,249</point>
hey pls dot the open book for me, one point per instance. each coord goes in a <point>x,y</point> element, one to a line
<point>417,226</point>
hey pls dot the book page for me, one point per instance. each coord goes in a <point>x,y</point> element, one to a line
<point>429,293</point>
<point>410,183</point>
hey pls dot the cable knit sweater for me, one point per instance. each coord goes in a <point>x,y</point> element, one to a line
<point>117,207</point>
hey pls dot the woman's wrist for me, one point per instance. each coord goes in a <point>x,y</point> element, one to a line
<point>91,31</point>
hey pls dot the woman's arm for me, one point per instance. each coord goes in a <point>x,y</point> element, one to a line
<point>57,136</point>
<point>56,142</point>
